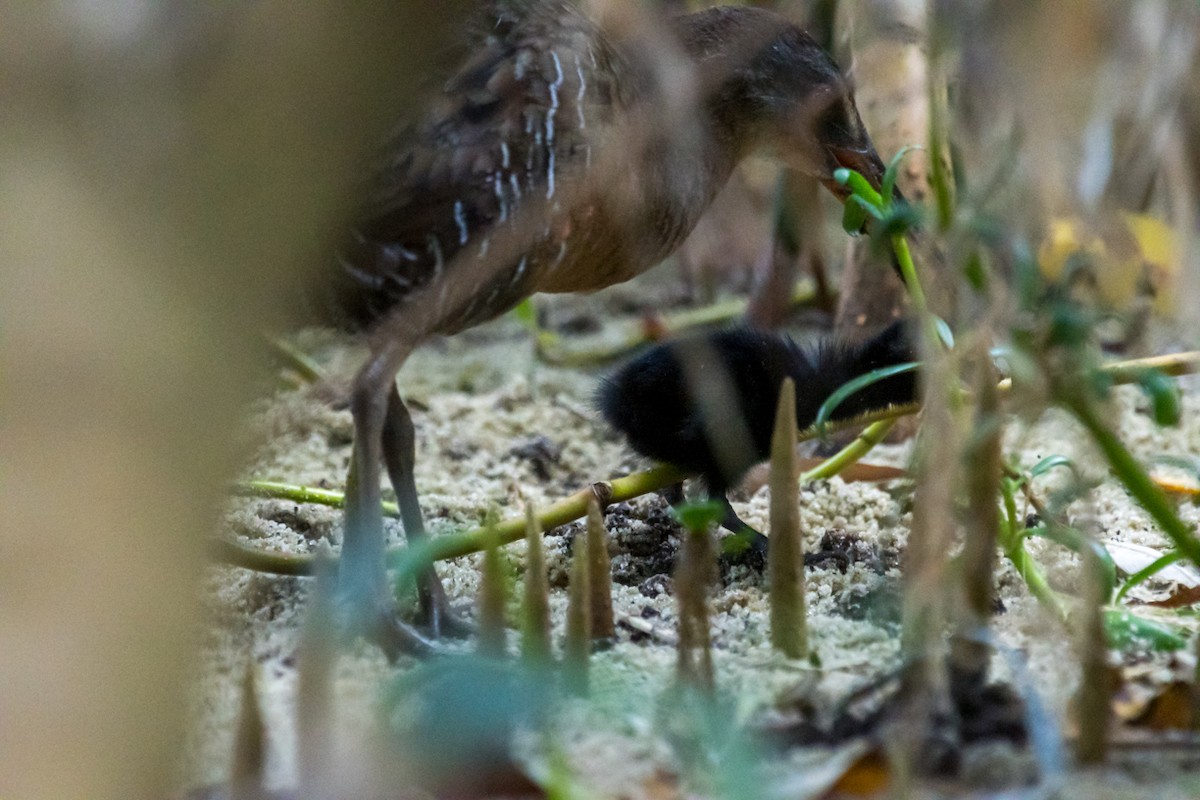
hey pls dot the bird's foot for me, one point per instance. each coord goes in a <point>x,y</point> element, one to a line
<point>435,615</point>
<point>376,618</point>
<point>397,637</point>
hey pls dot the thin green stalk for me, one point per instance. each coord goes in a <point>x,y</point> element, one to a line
<point>908,271</point>
<point>1013,545</point>
<point>270,490</point>
<point>1135,478</point>
<point>1147,572</point>
<point>299,361</point>
<point>574,507</point>
<point>872,435</point>
<point>939,176</point>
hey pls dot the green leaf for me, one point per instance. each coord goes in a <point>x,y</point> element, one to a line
<point>854,216</point>
<point>857,184</point>
<point>1051,462</point>
<point>899,218</point>
<point>850,387</point>
<point>1128,632</point>
<point>697,516</point>
<point>1147,572</point>
<point>1070,325</point>
<point>888,185</point>
<point>1163,395</point>
<point>944,332</point>
<point>737,543</point>
<point>526,314</point>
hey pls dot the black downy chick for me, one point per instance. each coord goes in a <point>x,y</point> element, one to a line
<point>707,404</point>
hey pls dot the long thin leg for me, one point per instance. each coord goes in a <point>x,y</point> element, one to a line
<point>362,577</point>
<point>399,453</point>
<point>756,554</point>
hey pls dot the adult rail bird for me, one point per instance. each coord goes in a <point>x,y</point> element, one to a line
<point>570,152</point>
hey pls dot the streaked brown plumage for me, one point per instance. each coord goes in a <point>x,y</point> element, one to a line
<point>565,155</point>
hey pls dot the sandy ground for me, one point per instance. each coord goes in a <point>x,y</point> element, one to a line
<point>480,401</point>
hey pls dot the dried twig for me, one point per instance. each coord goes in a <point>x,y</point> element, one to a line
<point>785,559</point>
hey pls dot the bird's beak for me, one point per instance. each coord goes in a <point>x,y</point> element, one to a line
<point>865,162</point>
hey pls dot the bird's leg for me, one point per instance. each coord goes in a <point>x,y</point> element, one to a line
<point>362,578</point>
<point>754,551</point>
<point>399,453</point>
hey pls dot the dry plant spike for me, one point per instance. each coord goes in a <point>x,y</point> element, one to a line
<point>785,558</point>
<point>574,506</point>
<point>982,465</point>
<point>535,612</point>
<point>316,656</point>
<point>926,691</point>
<point>578,645</point>
<point>694,666</point>
<point>493,595</point>
<point>599,575</point>
<point>249,745</point>
<point>1095,685</point>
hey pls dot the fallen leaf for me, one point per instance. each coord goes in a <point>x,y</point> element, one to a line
<point>859,472</point>
<point>1177,487</point>
<point>819,773</point>
<point>1131,558</point>
<point>1173,709</point>
<point>1183,596</point>
<point>869,775</point>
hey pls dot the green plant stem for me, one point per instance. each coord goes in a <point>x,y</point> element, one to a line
<point>1013,545</point>
<point>451,545</point>
<point>308,370</point>
<point>1135,478</point>
<point>1147,572</point>
<point>872,435</point>
<point>270,490</point>
<point>575,506</point>
<point>909,271</point>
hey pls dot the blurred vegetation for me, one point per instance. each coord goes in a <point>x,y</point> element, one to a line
<point>171,175</point>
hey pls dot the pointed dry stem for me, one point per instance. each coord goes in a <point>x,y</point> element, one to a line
<point>493,595</point>
<point>970,654</point>
<point>249,746</point>
<point>1095,686</point>
<point>535,623</point>
<point>316,657</point>
<point>578,645</point>
<point>599,574</point>
<point>694,666</point>
<point>573,507</point>
<point>785,558</point>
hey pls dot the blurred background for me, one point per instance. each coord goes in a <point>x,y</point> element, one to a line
<point>171,172</point>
